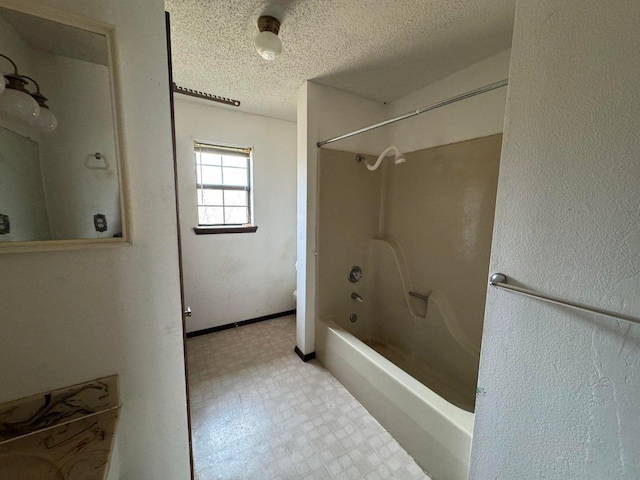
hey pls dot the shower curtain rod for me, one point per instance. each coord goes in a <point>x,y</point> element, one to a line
<point>448,101</point>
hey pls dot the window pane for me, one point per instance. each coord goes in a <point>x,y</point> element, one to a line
<point>211,197</point>
<point>209,175</point>
<point>234,161</point>
<point>236,215</point>
<point>235,176</point>
<point>210,158</point>
<point>235,198</point>
<point>210,215</point>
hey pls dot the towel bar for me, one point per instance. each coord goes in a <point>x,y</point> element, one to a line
<point>500,280</point>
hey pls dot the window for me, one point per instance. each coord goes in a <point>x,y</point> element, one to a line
<point>223,183</point>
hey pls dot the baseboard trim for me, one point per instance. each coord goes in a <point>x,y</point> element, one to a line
<point>303,357</point>
<point>219,328</point>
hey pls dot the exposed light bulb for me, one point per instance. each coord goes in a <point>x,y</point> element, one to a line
<point>268,45</point>
<point>45,122</point>
<point>18,104</point>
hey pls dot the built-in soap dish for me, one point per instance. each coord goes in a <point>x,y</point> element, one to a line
<point>66,434</point>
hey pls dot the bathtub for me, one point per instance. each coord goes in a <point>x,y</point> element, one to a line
<point>435,432</point>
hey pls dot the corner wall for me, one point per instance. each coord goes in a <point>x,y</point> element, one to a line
<point>80,96</point>
<point>349,199</point>
<point>323,112</point>
<point>72,316</point>
<point>233,277</point>
<point>475,117</point>
<point>561,387</point>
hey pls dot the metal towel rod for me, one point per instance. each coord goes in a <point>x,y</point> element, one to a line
<point>500,280</point>
<point>428,108</point>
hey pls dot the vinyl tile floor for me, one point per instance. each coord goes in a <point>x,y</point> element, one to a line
<point>259,413</point>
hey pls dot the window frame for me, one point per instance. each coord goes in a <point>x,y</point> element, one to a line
<point>249,227</point>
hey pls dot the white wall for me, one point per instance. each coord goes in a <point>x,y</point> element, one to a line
<point>21,189</point>
<point>479,116</point>
<point>234,277</point>
<point>79,95</point>
<point>71,316</point>
<point>323,112</point>
<point>562,387</point>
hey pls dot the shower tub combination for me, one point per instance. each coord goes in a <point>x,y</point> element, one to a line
<point>435,432</point>
<point>412,361</point>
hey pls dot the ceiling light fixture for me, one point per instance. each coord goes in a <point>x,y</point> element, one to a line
<point>16,101</point>
<point>268,44</point>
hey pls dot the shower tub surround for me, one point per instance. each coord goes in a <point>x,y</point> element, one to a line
<point>422,226</point>
<point>434,431</point>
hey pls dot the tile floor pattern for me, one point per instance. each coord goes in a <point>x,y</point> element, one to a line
<point>259,413</point>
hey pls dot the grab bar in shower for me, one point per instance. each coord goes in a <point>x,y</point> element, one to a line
<point>500,280</point>
<point>421,297</point>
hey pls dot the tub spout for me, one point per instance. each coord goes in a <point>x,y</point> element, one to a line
<point>357,297</point>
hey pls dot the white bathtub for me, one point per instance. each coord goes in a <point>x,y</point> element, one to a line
<point>435,432</point>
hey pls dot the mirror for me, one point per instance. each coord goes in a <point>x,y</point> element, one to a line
<point>61,164</point>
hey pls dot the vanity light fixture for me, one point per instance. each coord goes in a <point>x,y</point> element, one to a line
<point>268,44</point>
<point>46,121</point>
<point>16,101</point>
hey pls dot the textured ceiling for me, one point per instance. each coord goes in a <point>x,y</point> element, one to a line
<point>378,49</point>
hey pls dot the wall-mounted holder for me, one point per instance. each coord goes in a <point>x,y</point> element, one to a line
<point>96,161</point>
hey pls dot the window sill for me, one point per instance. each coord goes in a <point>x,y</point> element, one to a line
<point>218,230</point>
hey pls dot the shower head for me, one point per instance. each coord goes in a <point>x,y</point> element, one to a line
<point>398,159</point>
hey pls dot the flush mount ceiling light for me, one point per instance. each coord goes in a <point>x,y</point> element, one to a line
<point>268,44</point>
<point>16,102</point>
